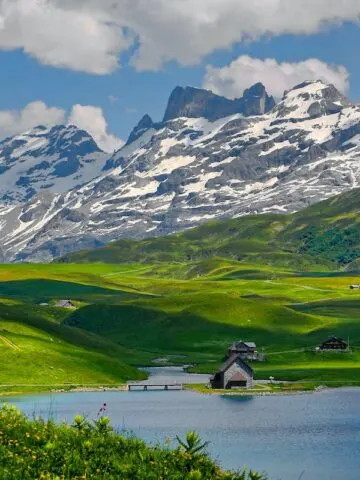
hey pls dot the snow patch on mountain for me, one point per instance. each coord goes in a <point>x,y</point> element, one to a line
<point>55,159</point>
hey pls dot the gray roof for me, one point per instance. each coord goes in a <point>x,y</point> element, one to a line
<point>335,339</point>
<point>62,303</point>
<point>250,344</point>
<point>228,362</point>
<point>235,345</point>
<point>235,357</point>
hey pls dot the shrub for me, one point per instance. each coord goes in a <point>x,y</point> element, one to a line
<point>34,449</point>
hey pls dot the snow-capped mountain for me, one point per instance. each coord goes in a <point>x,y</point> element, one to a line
<point>209,158</point>
<point>56,159</point>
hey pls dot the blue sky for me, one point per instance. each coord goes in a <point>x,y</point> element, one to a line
<point>126,92</point>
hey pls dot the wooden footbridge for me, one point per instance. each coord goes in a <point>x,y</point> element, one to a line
<point>144,387</point>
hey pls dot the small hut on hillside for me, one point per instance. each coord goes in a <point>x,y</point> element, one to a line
<point>65,304</point>
<point>247,350</point>
<point>234,373</point>
<point>334,344</point>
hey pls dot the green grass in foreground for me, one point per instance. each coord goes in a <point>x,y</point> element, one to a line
<point>34,449</point>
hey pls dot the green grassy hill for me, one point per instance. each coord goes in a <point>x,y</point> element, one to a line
<point>192,310</point>
<point>325,235</point>
<point>37,351</point>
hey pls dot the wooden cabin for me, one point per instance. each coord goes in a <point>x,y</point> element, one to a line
<point>234,373</point>
<point>334,343</point>
<point>247,350</point>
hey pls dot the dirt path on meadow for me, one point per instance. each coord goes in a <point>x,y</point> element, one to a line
<point>9,343</point>
<point>306,287</point>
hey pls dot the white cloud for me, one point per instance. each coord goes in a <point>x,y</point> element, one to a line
<point>90,35</point>
<point>78,38</point>
<point>92,120</point>
<point>243,72</point>
<point>89,118</point>
<point>36,113</point>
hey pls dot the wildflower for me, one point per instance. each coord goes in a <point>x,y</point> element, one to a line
<point>78,419</point>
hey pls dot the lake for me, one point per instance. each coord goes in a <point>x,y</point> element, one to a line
<point>290,437</point>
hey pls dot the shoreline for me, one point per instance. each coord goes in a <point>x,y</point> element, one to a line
<point>37,389</point>
<point>196,388</point>
<point>226,393</point>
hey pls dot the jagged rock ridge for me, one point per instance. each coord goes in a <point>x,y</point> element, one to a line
<point>198,103</point>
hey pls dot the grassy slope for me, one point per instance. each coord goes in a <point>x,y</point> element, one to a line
<point>192,309</point>
<point>323,235</point>
<point>37,349</point>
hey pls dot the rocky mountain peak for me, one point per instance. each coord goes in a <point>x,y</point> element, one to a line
<point>37,159</point>
<point>195,103</point>
<point>258,89</point>
<point>145,123</point>
<point>257,101</point>
<point>71,134</point>
<point>312,99</point>
<point>44,139</point>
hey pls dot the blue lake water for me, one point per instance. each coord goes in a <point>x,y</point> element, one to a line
<point>312,437</point>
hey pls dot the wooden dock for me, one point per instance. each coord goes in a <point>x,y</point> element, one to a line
<point>144,387</point>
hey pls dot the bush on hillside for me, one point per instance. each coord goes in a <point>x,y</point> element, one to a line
<point>335,244</point>
<point>34,449</point>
